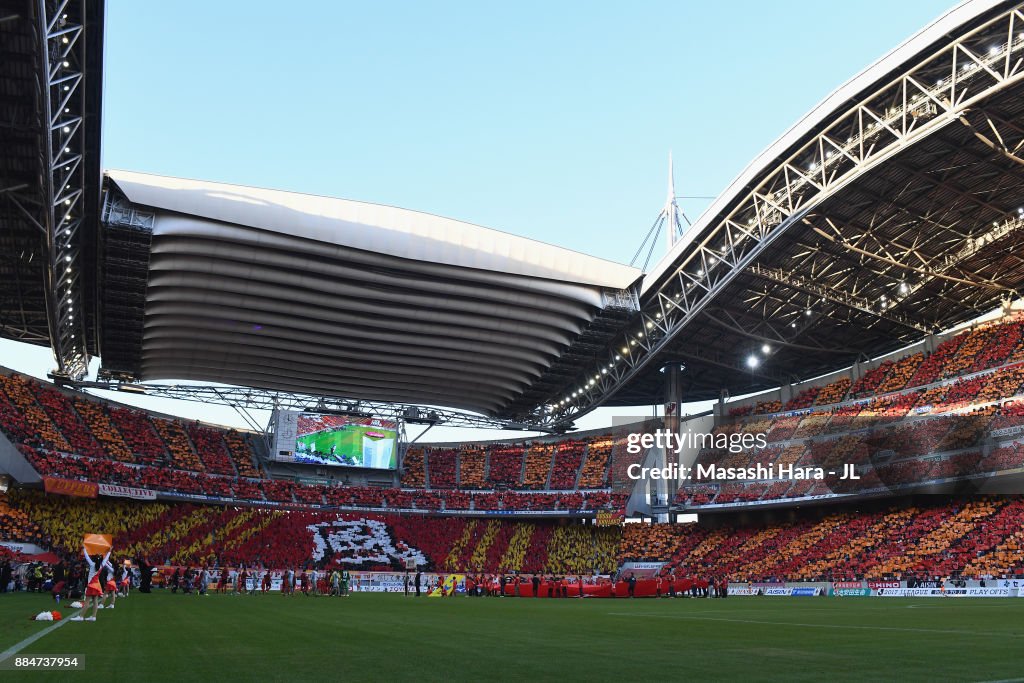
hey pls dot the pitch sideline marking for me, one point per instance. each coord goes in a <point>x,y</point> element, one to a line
<point>840,626</point>
<point>18,647</point>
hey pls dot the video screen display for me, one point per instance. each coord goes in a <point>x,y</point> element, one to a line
<point>336,440</point>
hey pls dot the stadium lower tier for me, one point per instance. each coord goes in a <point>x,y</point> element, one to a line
<point>188,534</point>
<point>941,536</point>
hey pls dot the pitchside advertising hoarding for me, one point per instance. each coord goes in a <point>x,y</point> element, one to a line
<point>336,440</point>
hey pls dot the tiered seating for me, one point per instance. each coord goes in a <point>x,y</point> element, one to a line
<point>506,465</point>
<point>457,500</point>
<point>599,450</point>
<point>240,452</point>
<point>869,381</point>
<point>650,542</point>
<point>1002,384</point>
<point>538,465</point>
<point>414,468</point>
<point>581,550</point>
<point>568,459</point>
<point>13,423</point>
<point>308,494</point>
<point>442,464</point>
<point>15,524</point>
<point>247,489</point>
<point>933,367</point>
<point>622,459</point>
<point>1006,338</point>
<point>759,408</point>
<point>40,427</point>
<point>906,424</point>
<point>900,373</point>
<point>155,453</point>
<point>472,464</point>
<point>211,449</point>
<point>140,435</point>
<point>804,399</point>
<point>277,490</point>
<point>950,538</point>
<point>62,413</point>
<point>103,429</point>
<point>972,344</point>
<point>834,392</point>
<point>178,444</point>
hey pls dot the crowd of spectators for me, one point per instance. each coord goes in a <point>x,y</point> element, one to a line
<point>538,465</point>
<point>210,447</point>
<point>595,469</point>
<point>506,468</point>
<point>896,439</point>
<point>183,456</point>
<point>186,534</point>
<point>139,434</point>
<point>414,469</point>
<point>472,466</point>
<point>103,429</point>
<point>443,466</point>
<point>957,537</point>
<point>568,460</point>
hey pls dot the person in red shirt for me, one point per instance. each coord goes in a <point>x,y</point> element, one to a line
<point>222,585</point>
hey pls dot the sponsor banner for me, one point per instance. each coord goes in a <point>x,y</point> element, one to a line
<point>908,592</point>
<point>768,584</point>
<point>875,585</point>
<point>643,566</point>
<point>989,592</point>
<point>1007,431</point>
<point>776,591</point>
<point>742,591</point>
<point>837,585</point>
<point>610,518</point>
<point>805,592</point>
<point>126,492</point>
<point>69,487</point>
<point>852,592</point>
<point>1010,583</point>
<point>949,592</point>
<point>21,547</point>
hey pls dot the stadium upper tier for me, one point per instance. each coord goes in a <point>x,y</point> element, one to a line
<point>954,415</point>
<point>951,416</point>
<point>72,436</point>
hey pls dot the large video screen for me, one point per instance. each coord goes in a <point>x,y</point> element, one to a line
<point>338,440</point>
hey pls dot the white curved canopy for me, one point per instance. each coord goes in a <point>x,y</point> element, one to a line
<point>279,290</point>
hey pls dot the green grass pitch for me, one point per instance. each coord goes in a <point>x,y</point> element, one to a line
<point>375,637</point>
<point>348,441</point>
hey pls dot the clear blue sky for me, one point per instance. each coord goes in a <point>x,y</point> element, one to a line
<point>548,120</point>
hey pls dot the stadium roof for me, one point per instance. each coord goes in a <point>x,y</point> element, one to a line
<point>888,212</point>
<point>326,296</point>
<point>51,83</point>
